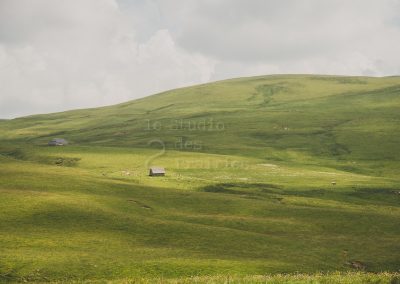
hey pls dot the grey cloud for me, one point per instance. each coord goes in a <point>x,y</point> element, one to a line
<point>311,36</point>
<point>74,54</point>
<point>57,55</point>
<point>275,30</point>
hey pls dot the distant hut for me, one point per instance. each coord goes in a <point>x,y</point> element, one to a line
<point>58,142</point>
<point>156,172</point>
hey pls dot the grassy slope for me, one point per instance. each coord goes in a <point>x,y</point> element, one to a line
<point>331,278</point>
<point>250,193</point>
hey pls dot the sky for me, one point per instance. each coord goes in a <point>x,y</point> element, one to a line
<point>57,55</point>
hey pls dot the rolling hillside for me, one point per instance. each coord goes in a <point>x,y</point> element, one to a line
<point>265,175</point>
<point>346,117</point>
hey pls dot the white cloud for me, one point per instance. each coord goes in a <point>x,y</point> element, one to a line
<point>57,55</point>
<point>311,36</point>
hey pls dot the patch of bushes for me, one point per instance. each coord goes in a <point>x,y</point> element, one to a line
<point>66,162</point>
<point>240,188</point>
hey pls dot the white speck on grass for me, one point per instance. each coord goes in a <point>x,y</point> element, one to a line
<point>268,165</point>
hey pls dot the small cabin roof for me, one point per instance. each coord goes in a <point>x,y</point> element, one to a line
<point>157,170</point>
<point>59,140</point>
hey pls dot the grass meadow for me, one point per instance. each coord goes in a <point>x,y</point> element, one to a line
<point>280,179</point>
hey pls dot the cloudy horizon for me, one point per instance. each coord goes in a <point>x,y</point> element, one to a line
<point>61,55</point>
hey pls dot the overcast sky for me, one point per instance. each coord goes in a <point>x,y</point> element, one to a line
<point>57,55</point>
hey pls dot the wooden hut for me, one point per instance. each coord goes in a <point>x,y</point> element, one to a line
<point>58,142</point>
<point>156,172</point>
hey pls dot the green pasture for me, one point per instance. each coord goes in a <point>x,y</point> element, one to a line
<point>273,179</point>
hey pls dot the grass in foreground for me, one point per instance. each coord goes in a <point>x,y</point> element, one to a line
<point>317,278</point>
<point>93,221</point>
<point>252,196</point>
<point>339,278</point>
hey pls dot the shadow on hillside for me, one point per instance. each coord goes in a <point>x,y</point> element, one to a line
<point>246,190</point>
<point>23,155</point>
<point>356,196</point>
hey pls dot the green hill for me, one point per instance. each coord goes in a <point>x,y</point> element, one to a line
<point>271,174</point>
<point>316,115</point>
